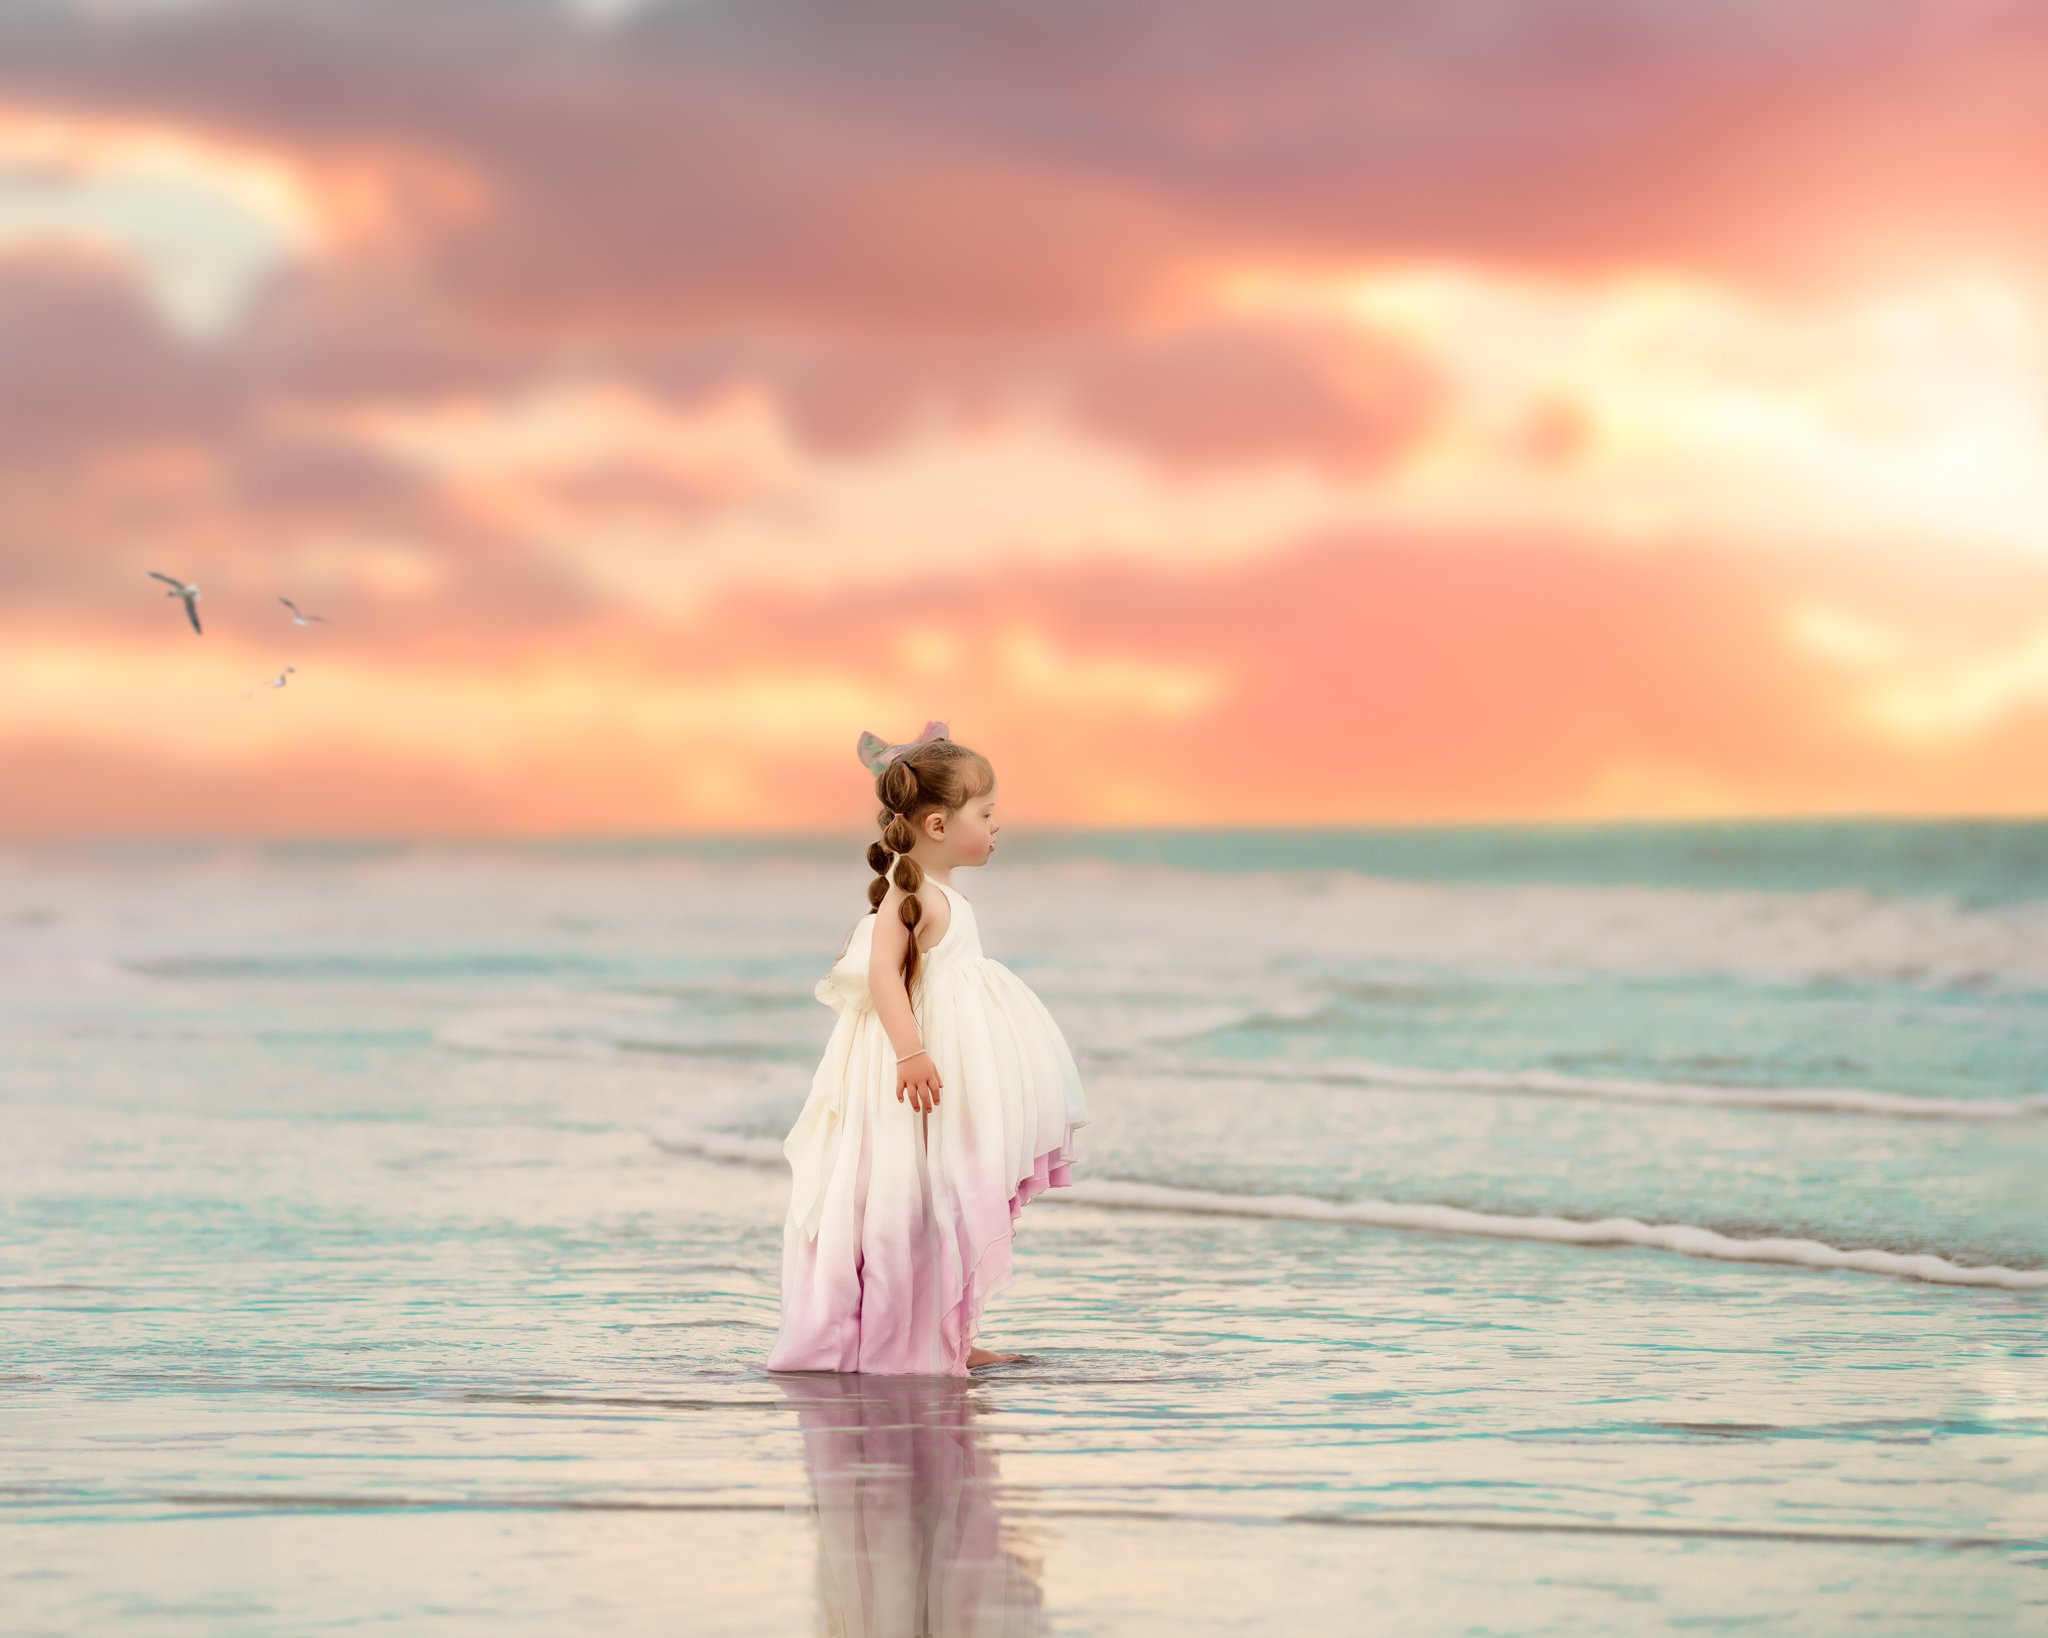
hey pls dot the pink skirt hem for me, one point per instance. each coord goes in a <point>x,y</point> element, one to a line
<point>838,1347</point>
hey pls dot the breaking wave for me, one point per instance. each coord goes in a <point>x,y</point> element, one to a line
<point>1841,1100</point>
<point>698,1132</point>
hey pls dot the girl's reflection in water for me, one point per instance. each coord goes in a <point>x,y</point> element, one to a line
<point>910,1524</point>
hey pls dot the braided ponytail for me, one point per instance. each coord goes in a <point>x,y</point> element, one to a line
<point>910,877</point>
<point>941,775</point>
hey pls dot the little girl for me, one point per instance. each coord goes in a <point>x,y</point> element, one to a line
<point>947,1099</point>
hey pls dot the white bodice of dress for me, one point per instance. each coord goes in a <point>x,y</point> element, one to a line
<point>845,987</point>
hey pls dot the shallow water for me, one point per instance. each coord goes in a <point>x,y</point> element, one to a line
<point>345,1282</point>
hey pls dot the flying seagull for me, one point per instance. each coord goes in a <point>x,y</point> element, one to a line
<point>275,682</point>
<point>299,619</point>
<point>184,589</point>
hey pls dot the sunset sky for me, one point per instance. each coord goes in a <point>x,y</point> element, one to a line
<point>1287,411</point>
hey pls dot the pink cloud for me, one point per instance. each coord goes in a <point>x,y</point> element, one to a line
<point>894,215</point>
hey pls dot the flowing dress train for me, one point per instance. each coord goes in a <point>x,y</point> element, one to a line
<point>899,1222</point>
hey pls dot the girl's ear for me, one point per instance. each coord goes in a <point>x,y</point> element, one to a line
<point>935,825</point>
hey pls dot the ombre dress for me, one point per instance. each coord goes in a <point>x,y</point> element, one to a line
<point>900,1222</point>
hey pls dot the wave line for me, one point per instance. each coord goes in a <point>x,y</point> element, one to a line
<point>1685,1239</point>
<point>1837,1100</point>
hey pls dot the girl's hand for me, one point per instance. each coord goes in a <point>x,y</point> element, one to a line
<point>918,1076</point>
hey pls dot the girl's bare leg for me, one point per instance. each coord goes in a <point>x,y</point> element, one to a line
<point>977,1357</point>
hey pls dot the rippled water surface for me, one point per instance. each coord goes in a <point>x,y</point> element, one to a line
<point>346,1282</point>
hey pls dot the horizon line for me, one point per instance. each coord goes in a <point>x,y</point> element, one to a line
<point>1168,827</point>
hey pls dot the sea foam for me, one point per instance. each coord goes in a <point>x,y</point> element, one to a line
<point>1683,1238</point>
<point>695,1132</point>
<point>1841,1100</point>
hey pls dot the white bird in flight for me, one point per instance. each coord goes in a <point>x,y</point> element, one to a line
<point>275,682</point>
<point>299,619</point>
<point>184,589</point>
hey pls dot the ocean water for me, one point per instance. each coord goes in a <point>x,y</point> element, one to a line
<point>1481,1231</point>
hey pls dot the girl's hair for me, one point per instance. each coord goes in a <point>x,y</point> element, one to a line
<point>937,774</point>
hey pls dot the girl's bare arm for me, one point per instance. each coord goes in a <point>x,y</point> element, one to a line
<point>916,1074</point>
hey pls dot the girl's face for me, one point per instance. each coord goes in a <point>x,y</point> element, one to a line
<point>967,835</point>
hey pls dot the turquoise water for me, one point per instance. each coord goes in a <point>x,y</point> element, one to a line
<point>1977,862</point>
<point>345,1282</point>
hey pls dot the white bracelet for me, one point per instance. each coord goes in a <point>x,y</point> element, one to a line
<point>909,1055</point>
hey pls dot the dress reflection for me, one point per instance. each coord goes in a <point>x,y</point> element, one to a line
<point>910,1526</point>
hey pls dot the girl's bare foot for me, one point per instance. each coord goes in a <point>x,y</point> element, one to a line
<point>978,1357</point>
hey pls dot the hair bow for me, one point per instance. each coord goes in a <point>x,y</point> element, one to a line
<point>876,754</point>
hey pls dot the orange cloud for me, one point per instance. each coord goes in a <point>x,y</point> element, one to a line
<point>1351,682</point>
